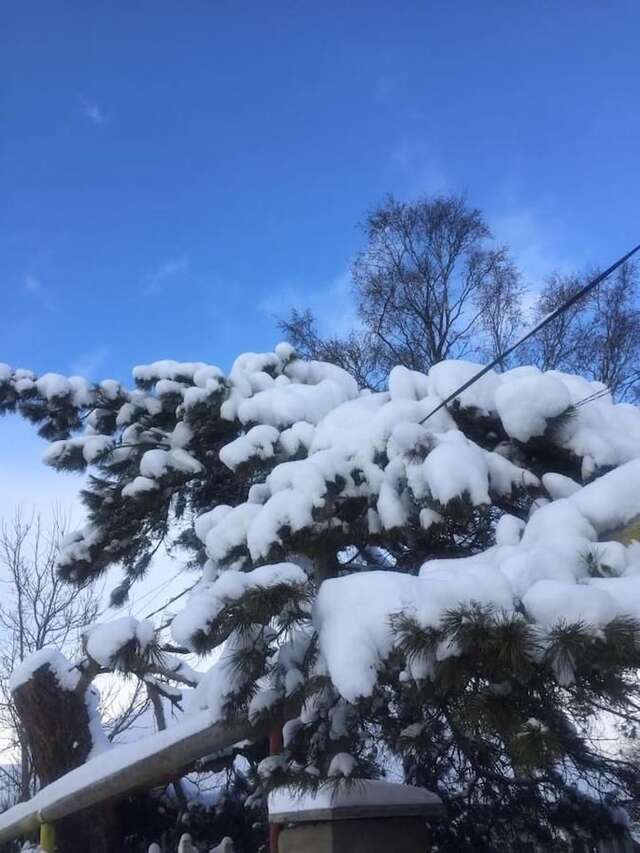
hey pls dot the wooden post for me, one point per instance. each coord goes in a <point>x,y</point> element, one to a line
<point>47,837</point>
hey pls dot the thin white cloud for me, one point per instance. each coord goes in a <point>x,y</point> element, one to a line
<point>527,228</point>
<point>32,284</point>
<point>332,305</point>
<point>528,233</point>
<point>88,363</point>
<point>419,170</point>
<point>531,237</point>
<point>35,290</point>
<point>170,269</point>
<point>93,112</point>
<point>26,480</point>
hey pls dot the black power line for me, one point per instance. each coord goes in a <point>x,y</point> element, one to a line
<point>549,317</point>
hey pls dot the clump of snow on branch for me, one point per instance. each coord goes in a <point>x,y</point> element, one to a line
<point>209,599</point>
<point>105,642</point>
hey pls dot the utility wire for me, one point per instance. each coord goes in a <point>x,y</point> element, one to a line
<point>597,395</point>
<point>545,320</point>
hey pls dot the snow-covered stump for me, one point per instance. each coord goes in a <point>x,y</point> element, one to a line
<point>363,817</point>
<point>58,725</point>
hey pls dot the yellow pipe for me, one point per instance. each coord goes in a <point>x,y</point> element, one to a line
<point>47,837</point>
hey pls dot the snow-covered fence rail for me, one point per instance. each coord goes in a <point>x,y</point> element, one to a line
<point>124,769</point>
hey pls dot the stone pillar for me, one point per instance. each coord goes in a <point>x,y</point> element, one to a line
<point>368,816</point>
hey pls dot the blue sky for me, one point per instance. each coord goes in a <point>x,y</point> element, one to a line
<point>174,173</point>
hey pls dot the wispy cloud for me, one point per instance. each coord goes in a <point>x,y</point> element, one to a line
<point>418,169</point>
<point>26,482</point>
<point>33,287</point>
<point>170,269</point>
<point>32,284</point>
<point>526,226</point>
<point>87,363</point>
<point>532,238</point>
<point>93,112</point>
<point>31,486</point>
<point>529,232</point>
<point>332,304</point>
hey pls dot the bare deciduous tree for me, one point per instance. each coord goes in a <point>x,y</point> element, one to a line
<point>554,345</point>
<point>37,610</point>
<point>358,352</point>
<point>598,337</point>
<point>429,285</point>
<point>421,280</point>
<point>500,301</point>
<point>51,725</point>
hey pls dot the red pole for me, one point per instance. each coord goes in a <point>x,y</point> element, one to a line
<point>276,745</point>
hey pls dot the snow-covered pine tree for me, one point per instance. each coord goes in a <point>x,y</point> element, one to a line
<point>435,596</point>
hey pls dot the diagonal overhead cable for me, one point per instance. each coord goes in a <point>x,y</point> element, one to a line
<point>545,320</point>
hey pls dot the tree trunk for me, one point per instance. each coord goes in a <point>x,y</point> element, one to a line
<point>25,767</point>
<point>55,722</point>
<point>276,746</point>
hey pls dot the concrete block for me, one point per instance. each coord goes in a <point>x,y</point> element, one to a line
<point>369,816</point>
<point>368,835</point>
